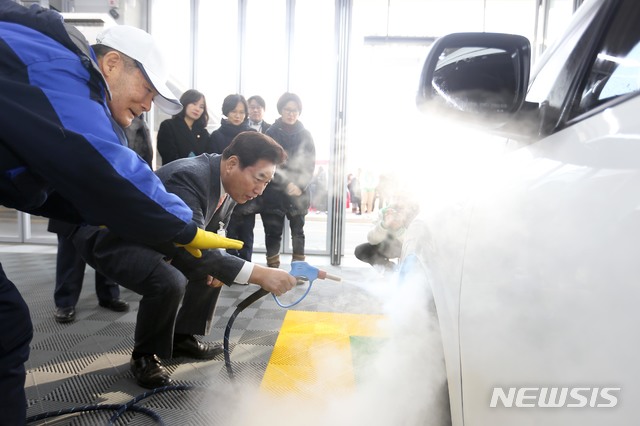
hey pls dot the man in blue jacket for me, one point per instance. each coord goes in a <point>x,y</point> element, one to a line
<point>63,152</point>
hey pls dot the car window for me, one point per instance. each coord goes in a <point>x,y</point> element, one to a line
<point>552,64</point>
<point>615,70</point>
<point>625,78</point>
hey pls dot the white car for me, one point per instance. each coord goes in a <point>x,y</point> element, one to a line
<point>535,269</point>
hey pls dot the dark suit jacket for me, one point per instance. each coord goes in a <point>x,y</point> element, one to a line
<point>197,182</point>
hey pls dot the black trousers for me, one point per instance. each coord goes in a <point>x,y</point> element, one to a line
<point>16,333</point>
<point>162,286</point>
<point>70,269</point>
<point>273,228</point>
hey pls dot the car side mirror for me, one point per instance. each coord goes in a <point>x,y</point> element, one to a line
<point>480,77</point>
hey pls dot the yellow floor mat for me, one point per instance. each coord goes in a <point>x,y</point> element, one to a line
<point>313,352</point>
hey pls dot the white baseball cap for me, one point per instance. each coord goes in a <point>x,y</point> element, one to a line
<point>140,46</point>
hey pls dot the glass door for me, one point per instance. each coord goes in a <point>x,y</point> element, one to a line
<point>19,227</point>
<point>10,225</point>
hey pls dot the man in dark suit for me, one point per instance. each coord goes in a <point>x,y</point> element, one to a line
<point>211,185</point>
<point>243,220</point>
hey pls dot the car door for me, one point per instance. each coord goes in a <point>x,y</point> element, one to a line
<point>550,283</point>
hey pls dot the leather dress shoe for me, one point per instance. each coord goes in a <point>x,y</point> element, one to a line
<point>149,372</point>
<point>192,348</point>
<point>63,315</point>
<point>117,305</point>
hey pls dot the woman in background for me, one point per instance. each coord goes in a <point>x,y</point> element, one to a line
<point>235,108</point>
<point>185,134</point>
<point>287,194</point>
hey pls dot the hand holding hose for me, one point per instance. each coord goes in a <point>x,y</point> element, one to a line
<point>272,280</point>
<point>303,273</point>
<point>300,272</point>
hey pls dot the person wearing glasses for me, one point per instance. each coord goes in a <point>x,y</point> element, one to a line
<point>257,107</point>
<point>243,219</point>
<point>179,305</point>
<point>287,195</point>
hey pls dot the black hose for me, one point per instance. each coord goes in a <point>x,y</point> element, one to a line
<point>130,405</point>
<point>258,294</point>
<point>119,408</point>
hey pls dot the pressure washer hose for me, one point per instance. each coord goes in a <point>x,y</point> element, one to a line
<point>303,273</point>
<point>119,408</point>
<point>301,270</point>
<point>130,405</point>
<point>257,295</point>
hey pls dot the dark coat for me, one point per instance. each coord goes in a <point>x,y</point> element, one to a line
<point>301,152</point>
<point>250,207</point>
<point>177,140</point>
<point>197,182</point>
<point>222,137</point>
<point>265,127</point>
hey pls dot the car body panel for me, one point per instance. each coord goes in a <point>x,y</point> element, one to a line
<point>533,265</point>
<point>550,282</point>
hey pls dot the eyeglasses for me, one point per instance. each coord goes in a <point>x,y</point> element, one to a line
<point>290,111</point>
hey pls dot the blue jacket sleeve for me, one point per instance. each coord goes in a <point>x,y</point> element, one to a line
<point>59,133</point>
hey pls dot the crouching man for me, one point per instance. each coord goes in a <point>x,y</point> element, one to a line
<point>211,185</point>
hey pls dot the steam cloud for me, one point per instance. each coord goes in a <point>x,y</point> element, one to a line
<point>404,381</point>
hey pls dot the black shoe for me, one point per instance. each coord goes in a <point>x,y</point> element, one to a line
<point>117,305</point>
<point>192,348</point>
<point>149,372</point>
<point>63,315</point>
